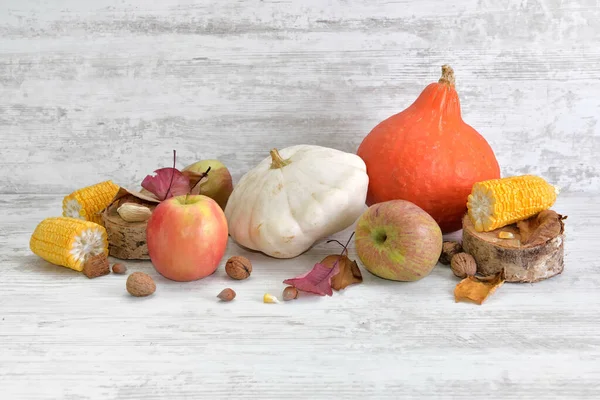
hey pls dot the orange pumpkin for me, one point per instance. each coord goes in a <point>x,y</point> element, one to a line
<point>428,155</point>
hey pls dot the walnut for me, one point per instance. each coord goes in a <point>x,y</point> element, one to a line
<point>463,265</point>
<point>140,284</point>
<point>449,249</point>
<point>238,267</point>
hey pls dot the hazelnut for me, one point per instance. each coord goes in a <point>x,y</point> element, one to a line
<point>449,249</point>
<point>463,265</point>
<point>226,295</point>
<point>140,284</point>
<point>119,268</point>
<point>238,267</point>
<point>290,293</point>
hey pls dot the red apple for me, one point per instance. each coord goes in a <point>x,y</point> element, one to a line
<point>397,240</point>
<point>187,236</point>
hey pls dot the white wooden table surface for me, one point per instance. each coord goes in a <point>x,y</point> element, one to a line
<point>94,90</point>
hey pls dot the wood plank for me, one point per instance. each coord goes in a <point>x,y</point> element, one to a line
<point>106,90</point>
<point>87,339</point>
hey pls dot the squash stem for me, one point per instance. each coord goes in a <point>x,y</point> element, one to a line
<point>447,75</point>
<point>277,160</point>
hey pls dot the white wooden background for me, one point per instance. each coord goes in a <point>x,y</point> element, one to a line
<point>91,90</point>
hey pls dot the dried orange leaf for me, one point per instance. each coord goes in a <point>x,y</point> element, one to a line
<point>540,228</point>
<point>477,289</point>
<point>349,271</point>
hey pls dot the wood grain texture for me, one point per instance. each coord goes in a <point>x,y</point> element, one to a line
<point>106,89</point>
<point>97,89</point>
<point>64,336</point>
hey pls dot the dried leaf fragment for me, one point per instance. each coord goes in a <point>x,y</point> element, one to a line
<point>317,280</point>
<point>166,182</point>
<point>477,289</point>
<point>540,228</point>
<point>348,274</point>
<point>196,179</point>
<point>333,272</point>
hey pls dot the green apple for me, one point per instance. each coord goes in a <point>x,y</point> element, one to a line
<point>397,240</point>
<point>219,184</point>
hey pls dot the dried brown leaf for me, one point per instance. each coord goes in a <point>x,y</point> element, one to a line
<point>540,228</point>
<point>349,272</point>
<point>196,179</point>
<point>477,289</point>
<point>133,196</point>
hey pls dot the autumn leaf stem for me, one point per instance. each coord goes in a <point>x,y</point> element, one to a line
<point>172,175</point>
<point>345,246</point>
<point>202,177</point>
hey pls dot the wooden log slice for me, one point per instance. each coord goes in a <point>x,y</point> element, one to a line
<point>126,240</point>
<point>521,263</point>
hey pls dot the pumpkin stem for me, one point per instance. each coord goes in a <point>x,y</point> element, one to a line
<point>447,75</point>
<point>277,160</point>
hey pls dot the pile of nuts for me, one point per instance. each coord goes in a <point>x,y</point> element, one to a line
<point>461,263</point>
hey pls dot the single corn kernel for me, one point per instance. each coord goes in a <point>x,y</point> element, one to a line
<point>269,298</point>
<point>505,235</point>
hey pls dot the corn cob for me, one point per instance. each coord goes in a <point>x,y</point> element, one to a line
<point>88,202</point>
<point>68,241</point>
<point>495,203</point>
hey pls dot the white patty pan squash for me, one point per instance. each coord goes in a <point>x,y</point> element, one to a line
<point>295,197</point>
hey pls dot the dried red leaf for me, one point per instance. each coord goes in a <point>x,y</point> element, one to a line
<point>317,280</point>
<point>166,183</point>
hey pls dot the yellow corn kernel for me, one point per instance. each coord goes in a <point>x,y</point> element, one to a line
<point>269,298</point>
<point>68,241</point>
<point>87,203</point>
<point>505,235</point>
<point>495,203</point>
